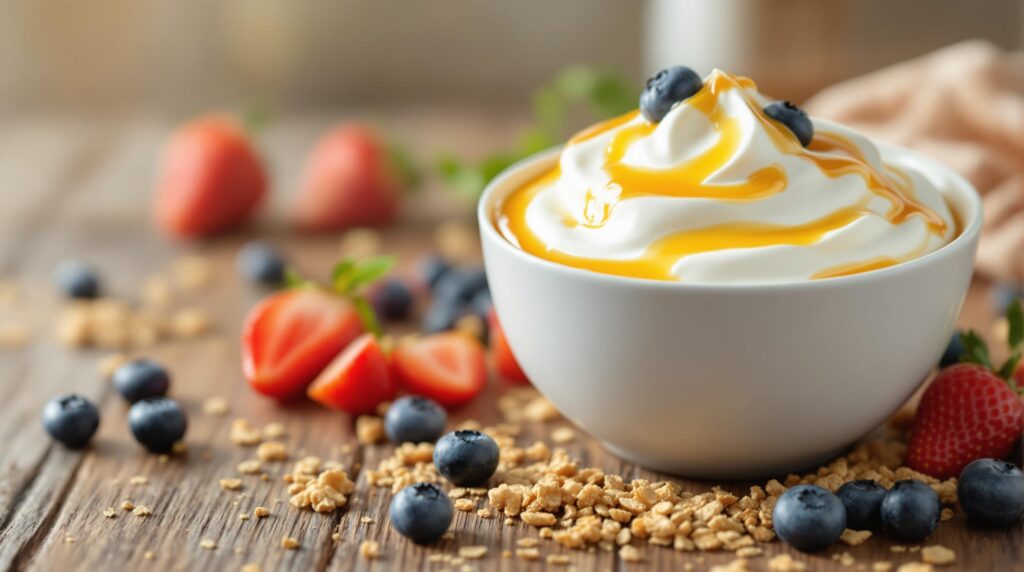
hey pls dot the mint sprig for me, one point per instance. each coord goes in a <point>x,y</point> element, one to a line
<point>603,93</point>
<point>350,279</point>
<point>975,350</point>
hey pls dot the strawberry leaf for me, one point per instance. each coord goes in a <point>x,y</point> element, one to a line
<point>367,316</point>
<point>292,279</point>
<point>1015,317</point>
<point>975,350</point>
<point>370,270</point>
<point>1010,366</point>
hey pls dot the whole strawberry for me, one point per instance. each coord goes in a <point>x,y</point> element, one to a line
<point>967,413</point>
<point>972,410</point>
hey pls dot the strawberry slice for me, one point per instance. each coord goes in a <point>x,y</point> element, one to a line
<point>291,336</point>
<point>506,363</point>
<point>357,381</point>
<point>448,367</point>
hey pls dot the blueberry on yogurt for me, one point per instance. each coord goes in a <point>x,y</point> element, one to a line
<point>667,88</point>
<point>793,118</point>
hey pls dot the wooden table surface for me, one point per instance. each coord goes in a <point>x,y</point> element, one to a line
<point>80,189</point>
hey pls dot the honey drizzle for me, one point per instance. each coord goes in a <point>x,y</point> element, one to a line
<point>833,155</point>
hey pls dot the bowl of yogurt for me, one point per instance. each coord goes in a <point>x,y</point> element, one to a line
<point>720,293</point>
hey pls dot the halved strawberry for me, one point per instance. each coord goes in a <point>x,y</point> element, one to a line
<point>357,381</point>
<point>506,363</point>
<point>448,367</point>
<point>291,336</point>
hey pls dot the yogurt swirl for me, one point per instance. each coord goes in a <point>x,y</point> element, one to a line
<point>717,192</point>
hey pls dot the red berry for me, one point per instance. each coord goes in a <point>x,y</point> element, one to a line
<point>448,367</point>
<point>357,381</point>
<point>211,180</point>
<point>291,336</point>
<point>349,180</point>
<point>506,363</point>
<point>967,413</point>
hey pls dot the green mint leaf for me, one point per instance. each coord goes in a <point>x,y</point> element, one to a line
<point>975,350</point>
<point>408,172</point>
<point>369,271</point>
<point>1015,316</point>
<point>367,316</point>
<point>341,275</point>
<point>292,279</point>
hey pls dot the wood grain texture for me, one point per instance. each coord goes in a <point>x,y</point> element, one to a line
<point>86,194</point>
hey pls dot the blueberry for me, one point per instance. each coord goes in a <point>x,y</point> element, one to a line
<point>157,423</point>
<point>863,502</point>
<point>482,303</point>
<point>414,419</point>
<point>441,315</point>
<point>1003,294</point>
<point>71,419</point>
<point>261,263</point>
<point>667,88</point>
<point>433,268</point>
<point>421,512</point>
<point>77,279</point>
<point>910,510</point>
<point>954,350</point>
<point>460,285</point>
<point>392,299</point>
<point>991,492</point>
<point>792,117</point>
<point>140,379</point>
<point>809,517</point>
<point>466,458</point>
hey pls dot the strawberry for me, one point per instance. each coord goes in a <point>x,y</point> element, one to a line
<point>350,179</point>
<point>448,367</point>
<point>971,410</point>
<point>290,336</point>
<point>357,381</point>
<point>504,361</point>
<point>211,179</point>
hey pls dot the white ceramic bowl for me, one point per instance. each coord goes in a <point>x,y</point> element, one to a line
<point>726,380</point>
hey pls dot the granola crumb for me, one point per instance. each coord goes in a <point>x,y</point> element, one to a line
<point>898,548</point>
<point>68,539</point>
<point>946,515</point>
<point>252,567</point>
<point>472,552</point>
<point>127,505</point>
<point>243,433</point>
<point>528,553</point>
<point>563,435</point>
<point>190,323</point>
<point>231,484</point>
<point>738,565</point>
<point>272,451</point>
<point>485,513</point>
<point>786,563</point>
<point>465,505</point>
<point>749,552</point>
<point>289,543</point>
<point>916,567</point>
<point>273,430</point>
<point>215,406</point>
<point>179,448</point>
<point>628,553</point>
<point>323,492</point>
<point>369,429</point>
<point>149,555</point>
<point>261,512</point>
<point>366,520</point>
<point>109,512</point>
<point>937,554</point>
<point>369,550</point>
<point>243,516</point>
<point>250,467</point>
<point>558,559</point>
<point>881,566</point>
<point>141,510</point>
<point>855,537</point>
<point>208,544</point>
<point>138,480</point>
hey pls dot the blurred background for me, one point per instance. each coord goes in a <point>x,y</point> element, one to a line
<point>184,56</point>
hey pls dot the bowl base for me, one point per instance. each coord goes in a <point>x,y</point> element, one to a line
<point>704,471</point>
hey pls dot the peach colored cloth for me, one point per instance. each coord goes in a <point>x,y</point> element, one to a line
<point>963,105</point>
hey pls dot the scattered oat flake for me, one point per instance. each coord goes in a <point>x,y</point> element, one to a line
<point>855,537</point>
<point>243,433</point>
<point>243,516</point>
<point>558,559</point>
<point>231,484</point>
<point>369,549</point>
<point>366,520</point>
<point>629,553</point>
<point>127,505</point>
<point>141,510</point>
<point>528,553</point>
<point>208,544</point>
<point>250,467</point>
<point>916,567</point>
<point>563,435</point>
<point>937,554</point>
<point>273,430</point>
<point>138,480</point>
<point>261,512</point>
<point>215,406</point>
<point>738,565</point>
<point>289,543</point>
<point>786,563</point>
<point>472,552</point>
<point>272,451</point>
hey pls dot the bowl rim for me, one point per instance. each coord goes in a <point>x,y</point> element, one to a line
<point>966,239</point>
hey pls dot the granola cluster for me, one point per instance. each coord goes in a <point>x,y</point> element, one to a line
<point>320,486</point>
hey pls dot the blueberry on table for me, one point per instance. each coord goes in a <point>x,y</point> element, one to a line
<point>77,280</point>
<point>157,423</point>
<point>954,350</point>
<point>910,510</point>
<point>421,512</point>
<point>466,458</point>
<point>667,88</point>
<point>261,263</point>
<point>991,492</point>
<point>863,502</point>
<point>809,518</point>
<point>71,420</point>
<point>141,378</point>
<point>482,303</point>
<point>432,268</point>
<point>1003,294</point>
<point>414,419</point>
<point>392,299</point>
<point>793,118</point>
<point>459,285</point>
<point>441,315</point>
